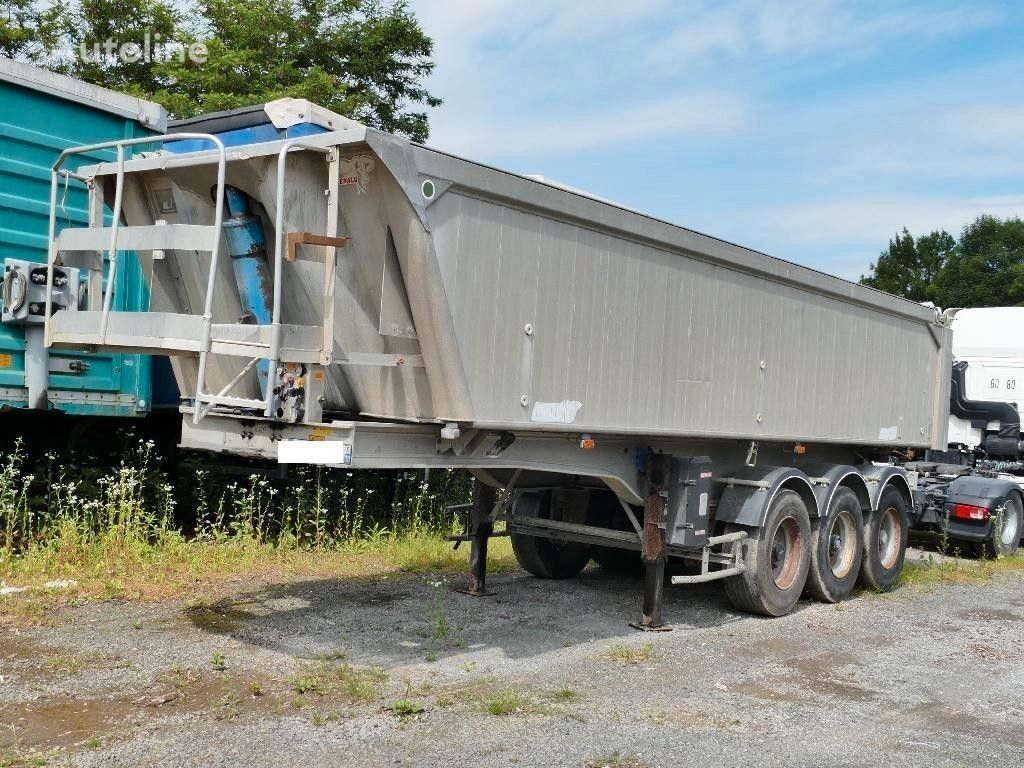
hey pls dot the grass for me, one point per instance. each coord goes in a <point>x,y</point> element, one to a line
<point>65,662</point>
<point>404,708</point>
<point>933,572</point>
<point>127,532</point>
<point>19,759</point>
<point>510,701</point>
<point>627,653</point>
<point>342,681</point>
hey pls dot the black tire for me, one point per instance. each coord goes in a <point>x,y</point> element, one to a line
<point>1006,530</point>
<point>545,558</point>
<point>624,561</point>
<point>605,511</point>
<point>885,541</point>
<point>777,557</point>
<point>837,545</point>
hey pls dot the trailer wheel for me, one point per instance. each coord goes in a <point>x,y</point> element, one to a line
<point>836,548</point>
<point>545,558</point>
<point>1006,530</point>
<point>777,558</point>
<point>885,541</point>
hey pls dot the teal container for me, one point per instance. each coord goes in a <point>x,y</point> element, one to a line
<point>42,114</point>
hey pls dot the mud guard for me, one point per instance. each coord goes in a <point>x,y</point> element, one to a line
<point>826,479</point>
<point>749,492</point>
<point>879,477</point>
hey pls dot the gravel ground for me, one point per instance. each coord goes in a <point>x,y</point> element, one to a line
<point>915,678</point>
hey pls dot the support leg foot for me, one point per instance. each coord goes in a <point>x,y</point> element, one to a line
<point>481,528</point>
<point>654,590</point>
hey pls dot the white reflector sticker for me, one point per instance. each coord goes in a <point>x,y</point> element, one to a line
<point>556,413</point>
<point>314,452</point>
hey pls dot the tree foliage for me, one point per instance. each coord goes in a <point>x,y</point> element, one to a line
<point>910,267</point>
<point>984,267</point>
<point>28,29</point>
<point>366,59</point>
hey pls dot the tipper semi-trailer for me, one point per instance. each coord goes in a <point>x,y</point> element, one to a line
<point>332,294</point>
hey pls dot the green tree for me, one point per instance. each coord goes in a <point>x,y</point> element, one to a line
<point>986,269</point>
<point>30,30</point>
<point>135,24</point>
<point>909,267</point>
<point>983,268</point>
<point>365,59</point>
<point>16,24</point>
<point>360,58</point>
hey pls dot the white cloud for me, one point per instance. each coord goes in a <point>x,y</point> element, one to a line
<point>986,124</point>
<point>876,220</point>
<point>751,29</point>
<point>584,131</point>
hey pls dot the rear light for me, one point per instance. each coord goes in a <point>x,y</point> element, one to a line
<point>970,512</point>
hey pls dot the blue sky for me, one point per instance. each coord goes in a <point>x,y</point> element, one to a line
<point>810,130</point>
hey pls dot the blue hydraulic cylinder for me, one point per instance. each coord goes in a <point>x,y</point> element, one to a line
<point>247,246</point>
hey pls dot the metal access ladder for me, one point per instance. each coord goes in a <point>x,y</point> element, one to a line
<point>167,333</point>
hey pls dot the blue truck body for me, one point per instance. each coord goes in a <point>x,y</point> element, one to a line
<point>42,114</point>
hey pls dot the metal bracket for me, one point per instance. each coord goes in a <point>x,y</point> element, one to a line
<point>761,485</point>
<point>632,518</point>
<point>295,239</point>
<point>752,454</point>
<point>735,568</point>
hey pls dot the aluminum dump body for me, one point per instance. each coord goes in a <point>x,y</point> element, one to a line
<point>513,303</point>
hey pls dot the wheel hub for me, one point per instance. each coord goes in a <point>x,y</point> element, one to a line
<point>785,553</point>
<point>889,532</point>
<point>842,544</point>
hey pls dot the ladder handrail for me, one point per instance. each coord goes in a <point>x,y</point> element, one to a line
<point>275,322</point>
<point>112,251</point>
<point>56,172</point>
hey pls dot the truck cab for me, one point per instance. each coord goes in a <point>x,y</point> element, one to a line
<point>988,382</point>
<point>971,493</point>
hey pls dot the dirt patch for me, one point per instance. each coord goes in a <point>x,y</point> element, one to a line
<point>945,718</point>
<point>985,615</point>
<point>829,675</point>
<point>27,662</point>
<point>766,691</point>
<point>224,618</point>
<point>68,721</point>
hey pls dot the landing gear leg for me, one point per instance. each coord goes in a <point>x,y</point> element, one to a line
<point>653,546</point>
<point>481,526</point>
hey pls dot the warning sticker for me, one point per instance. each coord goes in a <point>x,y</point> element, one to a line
<point>6,360</point>
<point>319,433</point>
<point>356,170</point>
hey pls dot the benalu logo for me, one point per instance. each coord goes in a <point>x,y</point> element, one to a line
<point>356,170</point>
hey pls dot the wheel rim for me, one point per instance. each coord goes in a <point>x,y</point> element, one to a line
<point>786,553</point>
<point>1010,534</point>
<point>842,544</point>
<point>889,534</point>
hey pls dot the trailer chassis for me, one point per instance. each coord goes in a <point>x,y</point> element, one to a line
<point>669,500</point>
<point>502,462</point>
